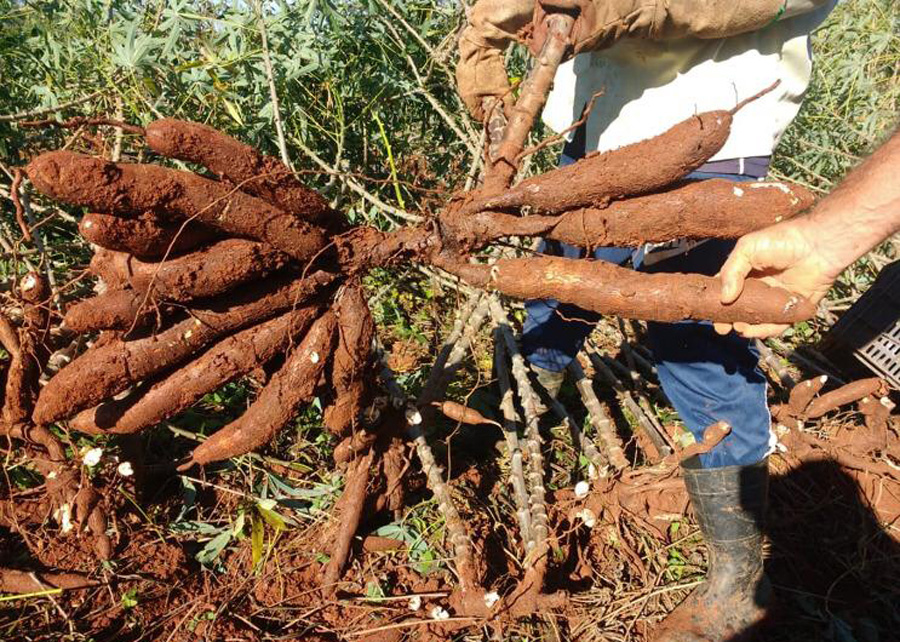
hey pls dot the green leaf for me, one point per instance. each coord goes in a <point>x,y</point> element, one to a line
<point>233,111</point>
<point>256,540</point>
<point>267,504</point>
<point>129,599</point>
<point>214,548</point>
<point>272,518</point>
<point>237,528</point>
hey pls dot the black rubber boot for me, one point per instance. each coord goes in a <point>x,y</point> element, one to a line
<point>730,504</point>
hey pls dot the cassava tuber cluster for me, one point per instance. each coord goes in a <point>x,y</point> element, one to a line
<point>203,280</point>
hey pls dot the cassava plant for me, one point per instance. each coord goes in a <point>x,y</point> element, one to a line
<point>206,278</point>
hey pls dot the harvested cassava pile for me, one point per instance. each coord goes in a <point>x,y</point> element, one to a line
<point>212,280</point>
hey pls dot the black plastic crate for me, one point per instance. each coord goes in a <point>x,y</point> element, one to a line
<point>870,329</point>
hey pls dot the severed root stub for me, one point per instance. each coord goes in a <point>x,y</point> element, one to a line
<point>462,414</point>
<point>803,404</point>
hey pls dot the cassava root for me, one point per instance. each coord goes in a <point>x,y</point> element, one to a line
<point>609,289</point>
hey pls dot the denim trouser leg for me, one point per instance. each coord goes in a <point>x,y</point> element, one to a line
<point>709,377</point>
<point>554,332</point>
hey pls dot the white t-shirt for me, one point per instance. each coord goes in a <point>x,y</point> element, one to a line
<point>650,86</point>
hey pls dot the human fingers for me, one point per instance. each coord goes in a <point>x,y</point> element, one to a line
<point>736,268</point>
<point>760,330</point>
<point>723,328</point>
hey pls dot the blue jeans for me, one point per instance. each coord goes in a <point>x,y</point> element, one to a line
<point>706,376</point>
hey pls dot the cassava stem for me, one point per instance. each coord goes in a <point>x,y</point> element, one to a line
<point>612,446</point>
<point>535,88</point>
<point>510,428</point>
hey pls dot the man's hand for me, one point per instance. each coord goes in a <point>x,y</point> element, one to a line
<point>805,255</point>
<point>784,255</point>
<point>480,73</point>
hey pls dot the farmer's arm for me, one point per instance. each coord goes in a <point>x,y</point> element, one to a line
<point>805,255</point>
<point>494,24</point>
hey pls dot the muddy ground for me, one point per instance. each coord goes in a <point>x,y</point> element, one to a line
<point>833,551</point>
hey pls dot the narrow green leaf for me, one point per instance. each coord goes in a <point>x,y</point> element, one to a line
<point>256,540</point>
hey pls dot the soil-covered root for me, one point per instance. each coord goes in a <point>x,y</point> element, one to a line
<point>609,289</point>
<point>348,515</point>
<point>253,172</point>
<point>28,350</point>
<point>111,268</point>
<point>15,581</point>
<point>844,395</point>
<point>89,512</point>
<point>112,310</point>
<point>877,413</point>
<point>207,272</point>
<point>229,359</point>
<point>79,502</point>
<point>145,236</point>
<point>601,177</point>
<point>462,414</point>
<point>716,208</point>
<point>127,189</point>
<point>115,365</point>
<point>351,370</point>
<point>803,393</point>
<point>294,384</point>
